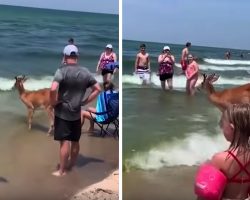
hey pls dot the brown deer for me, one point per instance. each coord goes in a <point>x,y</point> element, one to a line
<point>222,99</point>
<point>34,100</point>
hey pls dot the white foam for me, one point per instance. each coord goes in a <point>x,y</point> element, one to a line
<point>226,62</point>
<point>187,151</point>
<point>33,83</point>
<point>179,81</point>
<point>220,68</point>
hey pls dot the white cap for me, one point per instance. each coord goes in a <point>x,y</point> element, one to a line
<point>109,46</point>
<point>166,48</point>
<point>69,49</point>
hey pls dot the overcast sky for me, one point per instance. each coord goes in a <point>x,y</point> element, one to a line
<point>216,23</point>
<point>97,6</point>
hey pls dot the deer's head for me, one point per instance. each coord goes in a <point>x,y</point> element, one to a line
<point>209,79</point>
<point>19,81</point>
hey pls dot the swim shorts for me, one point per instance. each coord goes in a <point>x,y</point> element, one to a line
<point>67,130</point>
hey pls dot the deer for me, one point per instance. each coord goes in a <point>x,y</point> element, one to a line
<point>34,100</point>
<point>222,99</point>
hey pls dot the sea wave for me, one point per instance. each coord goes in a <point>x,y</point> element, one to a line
<point>187,151</point>
<point>33,83</point>
<point>220,68</point>
<point>226,62</point>
<point>179,81</point>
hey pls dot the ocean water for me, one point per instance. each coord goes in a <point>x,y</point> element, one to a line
<point>32,41</point>
<point>169,129</point>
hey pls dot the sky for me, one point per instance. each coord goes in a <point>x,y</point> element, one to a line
<point>96,6</point>
<point>213,23</point>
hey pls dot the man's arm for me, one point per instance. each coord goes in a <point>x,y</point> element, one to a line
<point>96,89</point>
<point>136,62</point>
<point>148,63</point>
<point>53,93</point>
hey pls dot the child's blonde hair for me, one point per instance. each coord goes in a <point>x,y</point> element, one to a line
<point>239,116</point>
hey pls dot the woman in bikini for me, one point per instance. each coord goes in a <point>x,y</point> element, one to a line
<point>166,68</point>
<point>107,57</point>
<point>235,161</point>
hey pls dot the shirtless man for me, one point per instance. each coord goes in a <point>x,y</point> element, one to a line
<point>142,64</point>
<point>184,55</point>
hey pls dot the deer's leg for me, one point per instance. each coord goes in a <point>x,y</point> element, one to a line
<point>30,117</point>
<point>50,112</point>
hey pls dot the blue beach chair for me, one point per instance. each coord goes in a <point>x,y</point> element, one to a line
<point>107,112</point>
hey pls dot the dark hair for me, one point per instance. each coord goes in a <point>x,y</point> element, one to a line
<point>71,40</point>
<point>142,46</point>
<point>107,85</point>
<point>72,55</point>
<point>188,44</point>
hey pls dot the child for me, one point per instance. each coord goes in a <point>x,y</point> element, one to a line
<point>234,163</point>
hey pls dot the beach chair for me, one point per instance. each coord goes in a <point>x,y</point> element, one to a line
<point>107,112</point>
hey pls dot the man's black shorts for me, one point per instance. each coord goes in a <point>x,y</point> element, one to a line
<point>67,130</point>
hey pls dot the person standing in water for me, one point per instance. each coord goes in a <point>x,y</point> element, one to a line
<point>184,55</point>
<point>106,58</point>
<point>66,96</point>
<point>142,64</point>
<point>166,68</point>
<point>192,73</point>
<point>228,55</point>
<point>70,45</point>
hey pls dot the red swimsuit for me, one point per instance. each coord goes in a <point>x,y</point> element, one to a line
<point>234,178</point>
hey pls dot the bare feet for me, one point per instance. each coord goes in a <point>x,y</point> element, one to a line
<point>67,168</point>
<point>58,173</point>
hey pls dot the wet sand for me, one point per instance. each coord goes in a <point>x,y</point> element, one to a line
<point>107,189</point>
<point>29,157</point>
<point>173,183</point>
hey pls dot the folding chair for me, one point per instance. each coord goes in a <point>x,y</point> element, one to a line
<point>107,112</point>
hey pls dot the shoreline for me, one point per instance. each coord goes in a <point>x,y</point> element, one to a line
<point>24,153</point>
<point>108,188</point>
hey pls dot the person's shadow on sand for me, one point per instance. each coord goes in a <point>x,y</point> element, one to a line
<point>83,160</point>
<point>3,180</point>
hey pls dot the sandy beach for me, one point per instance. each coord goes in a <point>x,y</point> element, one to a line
<point>29,157</point>
<point>107,189</point>
<point>175,183</point>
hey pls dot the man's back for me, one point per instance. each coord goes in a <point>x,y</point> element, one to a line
<point>73,82</point>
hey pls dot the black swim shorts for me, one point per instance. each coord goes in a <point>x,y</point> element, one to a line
<point>67,130</point>
<point>164,77</point>
<point>106,71</point>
